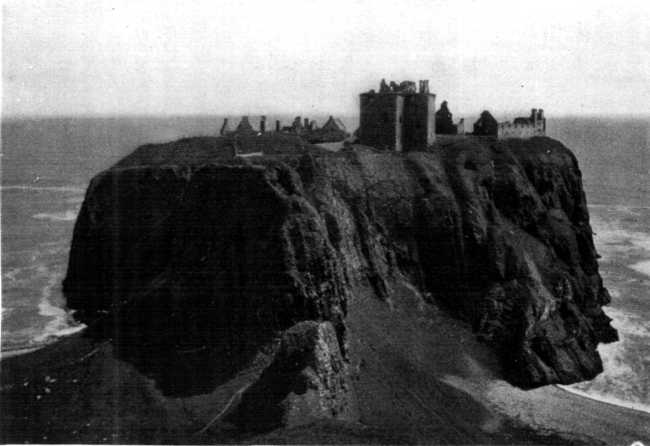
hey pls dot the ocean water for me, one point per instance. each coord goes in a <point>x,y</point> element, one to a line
<point>47,164</point>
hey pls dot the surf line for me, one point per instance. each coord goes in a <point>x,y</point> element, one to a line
<point>24,187</point>
<point>59,323</point>
<point>67,215</point>
<point>630,406</point>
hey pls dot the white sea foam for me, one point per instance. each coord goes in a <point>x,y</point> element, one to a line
<point>608,399</point>
<point>60,323</point>
<point>26,187</point>
<point>643,267</point>
<point>5,311</point>
<point>10,274</point>
<point>642,241</point>
<point>68,215</point>
<point>5,354</point>
<point>620,208</point>
<point>44,248</point>
<point>615,293</point>
<point>77,199</point>
<point>622,382</point>
<point>616,240</point>
<point>627,323</point>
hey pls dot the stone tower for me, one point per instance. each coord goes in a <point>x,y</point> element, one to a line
<point>398,117</point>
<point>225,128</point>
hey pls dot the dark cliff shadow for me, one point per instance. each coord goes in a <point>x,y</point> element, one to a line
<point>189,370</point>
<point>186,351</point>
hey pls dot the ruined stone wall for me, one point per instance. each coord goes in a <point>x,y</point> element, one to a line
<point>381,121</point>
<point>510,130</point>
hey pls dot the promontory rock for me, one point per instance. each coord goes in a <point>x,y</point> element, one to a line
<point>252,286</point>
<point>498,233</point>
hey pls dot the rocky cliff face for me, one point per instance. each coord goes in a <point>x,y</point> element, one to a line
<point>179,248</point>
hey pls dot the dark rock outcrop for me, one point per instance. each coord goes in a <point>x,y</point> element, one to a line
<point>296,296</point>
<point>224,252</point>
<point>308,380</point>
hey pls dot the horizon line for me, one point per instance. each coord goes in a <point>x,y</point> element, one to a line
<point>125,115</point>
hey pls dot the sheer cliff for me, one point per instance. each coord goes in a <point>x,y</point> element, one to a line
<point>190,247</point>
<point>304,295</point>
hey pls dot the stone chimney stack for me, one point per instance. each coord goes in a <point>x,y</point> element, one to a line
<point>263,124</point>
<point>224,128</point>
<point>277,125</point>
<point>540,114</point>
<point>423,87</point>
<point>533,115</point>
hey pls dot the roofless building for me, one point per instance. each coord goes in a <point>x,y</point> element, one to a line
<point>398,117</point>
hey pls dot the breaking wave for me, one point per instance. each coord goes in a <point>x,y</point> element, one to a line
<point>623,240</point>
<point>643,267</point>
<point>606,398</point>
<point>23,187</point>
<point>68,215</point>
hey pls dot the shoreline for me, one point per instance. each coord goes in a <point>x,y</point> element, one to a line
<point>614,403</point>
<point>569,414</point>
<point>52,339</point>
<point>18,351</point>
<point>637,407</point>
<point>546,411</point>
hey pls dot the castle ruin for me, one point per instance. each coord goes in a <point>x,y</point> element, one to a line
<point>444,120</point>
<point>535,125</point>
<point>332,131</point>
<point>486,125</point>
<point>398,117</point>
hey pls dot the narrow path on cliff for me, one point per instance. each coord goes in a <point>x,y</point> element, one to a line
<point>232,402</point>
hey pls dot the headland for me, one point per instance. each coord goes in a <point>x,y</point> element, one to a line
<point>303,295</point>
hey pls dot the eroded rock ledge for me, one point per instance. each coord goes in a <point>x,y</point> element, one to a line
<point>180,246</point>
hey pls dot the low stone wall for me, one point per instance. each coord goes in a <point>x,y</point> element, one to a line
<point>509,130</point>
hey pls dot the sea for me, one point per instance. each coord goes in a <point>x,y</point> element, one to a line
<point>46,165</point>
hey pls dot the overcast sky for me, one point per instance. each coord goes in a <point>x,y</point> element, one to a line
<point>234,57</point>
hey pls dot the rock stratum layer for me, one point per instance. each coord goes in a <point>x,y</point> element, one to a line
<point>305,293</point>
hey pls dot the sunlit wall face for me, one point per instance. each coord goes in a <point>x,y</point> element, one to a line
<point>177,57</point>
